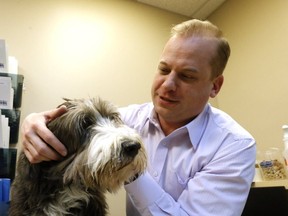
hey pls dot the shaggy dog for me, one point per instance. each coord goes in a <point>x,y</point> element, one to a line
<point>103,153</point>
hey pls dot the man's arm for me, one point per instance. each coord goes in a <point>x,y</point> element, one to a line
<point>219,189</point>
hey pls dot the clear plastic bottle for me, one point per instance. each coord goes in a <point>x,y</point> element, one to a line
<point>285,141</point>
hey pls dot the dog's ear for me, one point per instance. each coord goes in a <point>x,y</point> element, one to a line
<point>107,110</point>
<point>73,127</point>
<point>81,111</point>
<point>115,117</point>
<point>67,102</point>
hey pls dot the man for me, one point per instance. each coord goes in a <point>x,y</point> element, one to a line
<point>200,161</point>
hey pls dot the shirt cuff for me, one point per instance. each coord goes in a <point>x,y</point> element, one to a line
<point>144,191</point>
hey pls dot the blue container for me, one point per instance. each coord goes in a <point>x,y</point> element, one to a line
<point>1,190</point>
<point>6,182</point>
<point>4,205</point>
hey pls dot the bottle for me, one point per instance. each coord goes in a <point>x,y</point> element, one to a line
<point>285,140</point>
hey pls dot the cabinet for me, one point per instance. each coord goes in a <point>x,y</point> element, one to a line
<point>267,198</point>
<point>267,201</point>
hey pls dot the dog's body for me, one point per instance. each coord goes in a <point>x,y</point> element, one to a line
<point>103,153</point>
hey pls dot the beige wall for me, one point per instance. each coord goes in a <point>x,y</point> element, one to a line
<point>256,78</point>
<point>85,48</point>
<point>110,48</point>
<point>73,48</point>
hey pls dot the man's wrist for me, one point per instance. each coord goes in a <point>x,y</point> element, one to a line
<point>133,178</point>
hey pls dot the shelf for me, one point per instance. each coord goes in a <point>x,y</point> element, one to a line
<point>259,182</point>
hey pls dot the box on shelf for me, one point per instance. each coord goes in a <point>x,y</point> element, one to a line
<point>17,86</point>
<point>3,56</point>
<point>13,122</point>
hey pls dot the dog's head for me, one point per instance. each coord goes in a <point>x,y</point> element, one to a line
<point>102,151</point>
<point>75,127</point>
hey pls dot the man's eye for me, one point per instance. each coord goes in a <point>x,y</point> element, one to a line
<point>188,77</point>
<point>164,70</point>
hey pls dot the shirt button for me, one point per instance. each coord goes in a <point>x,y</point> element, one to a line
<point>155,174</point>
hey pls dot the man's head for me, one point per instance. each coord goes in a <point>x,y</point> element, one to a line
<point>205,29</point>
<point>189,72</point>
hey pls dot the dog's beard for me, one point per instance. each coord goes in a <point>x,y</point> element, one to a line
<point>114,155</point>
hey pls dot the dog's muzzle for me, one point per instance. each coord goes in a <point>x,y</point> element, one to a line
<point>130,148</point>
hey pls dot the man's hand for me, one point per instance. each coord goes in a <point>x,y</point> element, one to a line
<point>39,143</point>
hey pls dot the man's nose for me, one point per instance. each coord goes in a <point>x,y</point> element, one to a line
<point>170,82</point>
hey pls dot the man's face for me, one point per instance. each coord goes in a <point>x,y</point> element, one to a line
<point>183,83</point>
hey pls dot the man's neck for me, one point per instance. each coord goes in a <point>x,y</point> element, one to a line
<point>169,127</point>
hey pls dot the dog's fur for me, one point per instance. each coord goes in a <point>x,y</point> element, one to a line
<point>103,153</point>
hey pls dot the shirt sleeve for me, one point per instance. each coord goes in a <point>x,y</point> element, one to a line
<point>150,199</point>
<point>219,189</point>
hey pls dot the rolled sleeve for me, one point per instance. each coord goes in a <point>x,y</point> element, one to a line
<point>150,199</point>
<point>144,192</point>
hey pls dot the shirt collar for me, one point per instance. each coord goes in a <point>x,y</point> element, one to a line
<point>195,128</point>
<point>153,118</point>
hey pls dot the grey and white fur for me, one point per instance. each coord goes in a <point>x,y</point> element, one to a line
<point>103,153</point>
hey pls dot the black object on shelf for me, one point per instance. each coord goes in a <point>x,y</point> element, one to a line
<point>8,157</point>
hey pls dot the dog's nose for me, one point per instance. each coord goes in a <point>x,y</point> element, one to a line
<point>130,148</point>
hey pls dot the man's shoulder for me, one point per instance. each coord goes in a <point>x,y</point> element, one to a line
<point>136,113</point>
<point>227,123</point>
<point>136,108</point>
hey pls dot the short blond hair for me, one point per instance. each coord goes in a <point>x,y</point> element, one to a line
<point>206,29</point>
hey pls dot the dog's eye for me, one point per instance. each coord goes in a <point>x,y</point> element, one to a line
<point>87,121</point>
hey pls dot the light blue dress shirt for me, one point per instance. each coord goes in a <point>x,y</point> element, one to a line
<point>203,168</point>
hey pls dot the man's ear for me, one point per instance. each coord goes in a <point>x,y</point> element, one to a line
<point>217,84</point>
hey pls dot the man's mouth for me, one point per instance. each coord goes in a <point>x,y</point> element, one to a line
<point>167,99</point>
